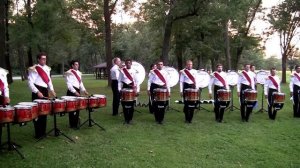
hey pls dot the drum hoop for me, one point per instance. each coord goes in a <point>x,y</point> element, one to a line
<point>261,76</point>
<point>174,77</point>
<point>204,80</point>
<point>236,75</point>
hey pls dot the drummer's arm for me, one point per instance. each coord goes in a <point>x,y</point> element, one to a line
<point>291,86</point>
<point>266,88</point>
<point>6,92</point>
<point>120,81</point>
<point>238,87</point>
<point>211,82</point>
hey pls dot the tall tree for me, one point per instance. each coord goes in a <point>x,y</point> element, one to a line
<point>2,34</point>
<point>285,20</point>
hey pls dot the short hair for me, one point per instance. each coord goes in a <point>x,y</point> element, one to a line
<point>297,66</point>
<point>151,66</point>
<point>159,61</point>
<point>39,55</point>
<point>252,65</point>
<point>218,65</point>
<point>115,60</point>
<point>188,61</point>
<point>246,64</point>
<point>128,60</point>
<point>73,62</point>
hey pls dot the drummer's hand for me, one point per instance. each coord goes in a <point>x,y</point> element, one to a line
<point>53,93</point>
<point>77,94</point>
<point>238,94</point>
<point>137,94</point>
<point>86,93</point>
<point>40,95</point>
<point>149,93</point>
<point>291,94</point>
<point>6,100</point>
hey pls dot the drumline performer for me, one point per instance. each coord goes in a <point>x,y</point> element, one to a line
<point>152,67</point>
<point>246,81</point>
<point>73,78</point>
<point>114,74</point>
<point>219,80</point>
<point>40,82</point>
<point>294,91</point>
<point>158,79</point>
<point>188,81</point>
<point>4,93</point>
<point>272,85</point>
<point>128,80</point>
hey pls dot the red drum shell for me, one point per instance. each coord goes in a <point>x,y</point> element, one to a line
<point>250,95</point>
<point>23,113</point>
<point>45,106</point>
<point>71,105</point>
<point>6,115</point>
<point>191,94</point>
<point>160,94</point>
<point>101,100</point>
<point>224,95</point>
<point>82,103</point>
<point>127,95</point>
<point>93,102</point>
<point>278,97</point>
<point>59,106</point>
<point>34,108</point>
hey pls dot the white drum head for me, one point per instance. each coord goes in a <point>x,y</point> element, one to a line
<point>173,75</point>
<point>140,70</point>
<point>202,78</point>
<point>232,78</point>
<point>261,77</point>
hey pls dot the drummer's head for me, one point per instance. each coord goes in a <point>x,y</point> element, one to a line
<point>219,67</point>
<point>128,63</point>
<point>252,67</point>
<point>74,64</point>
<point>189,64</point>
<point>297,68</point>
<point>152,66</point>
<point>273,71</point>
<point>247,67</point>
<point>117,61</point>
<point>159,64</point>
<point>42,58</point>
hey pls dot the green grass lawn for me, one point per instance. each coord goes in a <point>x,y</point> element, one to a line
<point>204,143</point>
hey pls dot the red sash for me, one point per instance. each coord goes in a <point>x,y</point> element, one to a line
<point>297,76</point>
<point>76,75</point>
<point>2,87</point>
<point>220,78</point>
<point>160,76</point>
<point>247,77</point>
<point>190,76</point>
<point>128,75</point>
<point>42,74</point>
<point>274,82</point>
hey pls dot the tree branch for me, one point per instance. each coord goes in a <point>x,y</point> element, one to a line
<point>112,7</point>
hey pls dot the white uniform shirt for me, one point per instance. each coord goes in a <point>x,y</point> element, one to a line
<point>34,78</point>
<point>215,81</point>
<point>72,81</point>
<point>243,80</point>
<point>269,84</point>
<point>153,78</point>
<point>3,77</point>
<point>294,81</point>
<point>115,72</point>
<point>185,79</point>
<point>125,79</point>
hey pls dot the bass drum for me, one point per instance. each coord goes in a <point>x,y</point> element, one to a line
<point>232,78</point>
<point>140,70</point>
<point>261,76</point>
<point>173,75</point>
<point>202,78</point>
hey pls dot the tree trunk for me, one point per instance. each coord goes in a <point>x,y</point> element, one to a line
<point>108,52</point>
<point>179,51</point>
<point>227,46</point>
<point>22,63</point>
<point>167,39</point>
<point>283,59</point>
<point>29,21</point>
<point>7,60</point>
<point>2,34</point>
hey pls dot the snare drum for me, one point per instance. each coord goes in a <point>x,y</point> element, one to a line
<point>250,95</point>
<point>127,95</point>
<point>45,106</point>
<point>101,100</point>
<point>6,115</point>
<point>191,94</point>
<point>71,103</point>
<point>34,108</point>
<point>278,97</point>
<point>82,103</point>
<point>160,94</point>
<point>22,113</point>
<point>59,105</point>
<point>224,95</point>
<point>93,102</point>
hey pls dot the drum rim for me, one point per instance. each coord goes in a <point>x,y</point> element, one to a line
<point>7,108</point>
<point>22,106</point>
<point>42,101</point>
